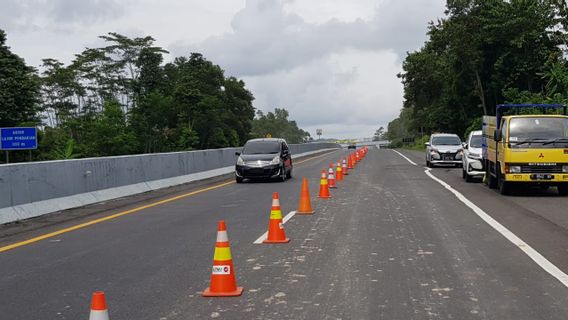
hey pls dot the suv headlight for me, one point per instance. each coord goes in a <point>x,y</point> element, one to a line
<point>240,161</point>
<point>473,155</point>
<point>515,169</point>
<point>276,160</point>
<point>434,151</point>
<point>565,168</point>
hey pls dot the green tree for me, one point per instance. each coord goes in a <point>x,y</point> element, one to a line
<point>19,89</point>
<point>277,125</point>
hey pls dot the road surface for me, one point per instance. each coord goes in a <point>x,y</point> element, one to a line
<point>392,243</point>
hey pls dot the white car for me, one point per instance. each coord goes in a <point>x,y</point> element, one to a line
<point>445,149</point>
<point>472,159</point>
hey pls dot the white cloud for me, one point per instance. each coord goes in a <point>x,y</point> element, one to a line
<point>347,94</point>
<point>332,63</point>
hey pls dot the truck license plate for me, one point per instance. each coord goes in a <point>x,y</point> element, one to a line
<point>541,176</point>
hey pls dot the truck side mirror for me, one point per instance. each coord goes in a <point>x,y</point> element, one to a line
<point>427,144</point>
<point>497,135</point>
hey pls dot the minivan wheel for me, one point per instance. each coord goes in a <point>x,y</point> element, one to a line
<point>282,174</point>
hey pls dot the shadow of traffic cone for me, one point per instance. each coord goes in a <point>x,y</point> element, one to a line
<point>339,172</point>
<point>99,309</point>
<point>276,232</point>
<point>305,205</point>
<point>344,167</point>
<point>223,282</point>
<point>324,188</point>
<point>331,178</point>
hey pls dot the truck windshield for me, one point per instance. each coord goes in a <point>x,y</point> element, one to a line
<point>538,131</point>
<point>446,141</point>
<point>261,147</point>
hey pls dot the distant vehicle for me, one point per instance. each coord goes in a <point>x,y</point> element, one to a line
<point>444,148</point>
<point>472,160</point>
<point>352,146</point>
<point>264,158</point>
<point>528,149</point>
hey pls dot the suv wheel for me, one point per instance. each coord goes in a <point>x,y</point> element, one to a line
<point>239,179</point>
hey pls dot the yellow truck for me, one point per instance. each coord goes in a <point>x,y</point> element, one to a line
<point>526,149</point>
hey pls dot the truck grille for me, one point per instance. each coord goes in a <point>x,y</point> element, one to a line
<point>541,169</point>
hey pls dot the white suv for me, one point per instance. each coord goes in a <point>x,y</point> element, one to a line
<point>444,148</point>
<point>472,159</point>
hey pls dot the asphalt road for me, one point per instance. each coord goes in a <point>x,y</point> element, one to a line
<point>392,243</point>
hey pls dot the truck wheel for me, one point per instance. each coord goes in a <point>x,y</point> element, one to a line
<point>563,189</point>
<point>504,186</point>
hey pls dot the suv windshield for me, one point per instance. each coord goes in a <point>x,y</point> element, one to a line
<point>538,131</point>
<point>262,147</point>
<point>475,141</point>
<point>446,141</point>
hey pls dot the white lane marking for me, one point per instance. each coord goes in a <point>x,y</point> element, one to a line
<point>528,250</point>
<point>400,154</point>
<point>284,220</point>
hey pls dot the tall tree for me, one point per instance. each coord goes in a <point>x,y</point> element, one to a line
<point>19,89</point>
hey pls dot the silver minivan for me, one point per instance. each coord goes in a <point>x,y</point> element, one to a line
<point>472,157</point>
<point>444,149</point>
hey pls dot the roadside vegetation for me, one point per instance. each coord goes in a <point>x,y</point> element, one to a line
<point>481,54</point>
<point>122,98</point>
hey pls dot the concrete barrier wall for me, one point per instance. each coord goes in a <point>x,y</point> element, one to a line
<point>36,182</point>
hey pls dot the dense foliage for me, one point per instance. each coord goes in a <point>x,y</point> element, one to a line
<point>276,124</point>
<point>481,54</point>
<point>122,99</point>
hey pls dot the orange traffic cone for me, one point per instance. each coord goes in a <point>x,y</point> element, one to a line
<point>344,167</point>
<point>305,205</point>
<point>276,232</point>
<point>350,162</point>
<point>99,309</point>
<point>324,188</point>
<point>331,178</point>
<point>339,172</point>
<point>223,282</point>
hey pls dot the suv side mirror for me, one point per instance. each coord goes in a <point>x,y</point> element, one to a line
<point>237,153</point>
<point>464,145</point>
<point>497,135</point>
<point>427,144</point>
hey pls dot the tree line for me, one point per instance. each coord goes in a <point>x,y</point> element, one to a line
<point>481,54</point>
<point>122,98</point>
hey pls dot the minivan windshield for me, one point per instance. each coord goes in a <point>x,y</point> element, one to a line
<point>446,141</point>
<point>475,141</point>
<point>538,131</point>
<point>261,147</point>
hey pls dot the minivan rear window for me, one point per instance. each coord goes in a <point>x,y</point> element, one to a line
<point>261,147</point>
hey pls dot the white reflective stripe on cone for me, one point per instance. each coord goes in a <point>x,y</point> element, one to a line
<point>99,315</point>
<point>222,236</point>
<point>275,203</point>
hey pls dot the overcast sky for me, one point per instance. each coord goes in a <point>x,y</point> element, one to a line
<point>331,63</point>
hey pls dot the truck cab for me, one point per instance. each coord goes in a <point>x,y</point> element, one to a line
<point>527,149</point>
